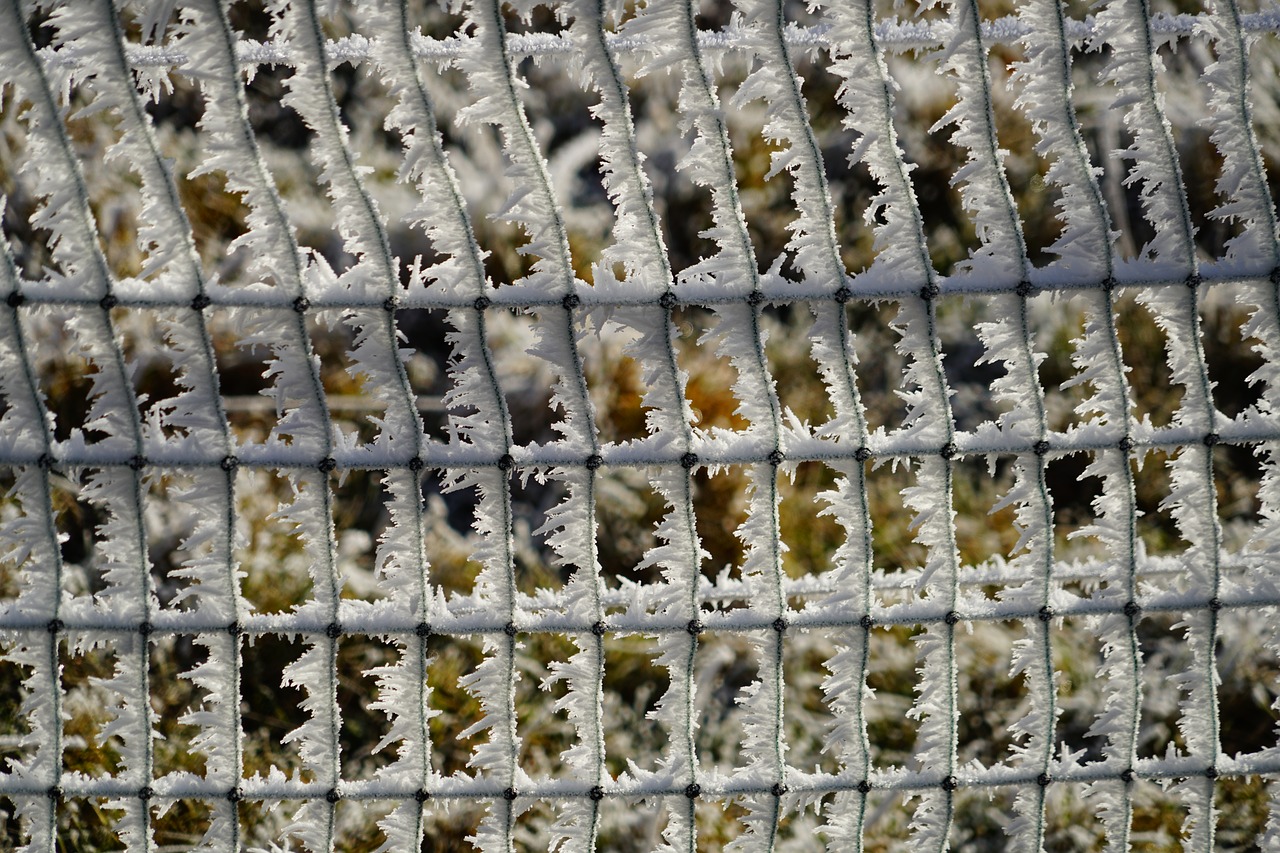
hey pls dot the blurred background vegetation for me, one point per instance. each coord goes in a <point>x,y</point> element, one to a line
<point>559,110</point>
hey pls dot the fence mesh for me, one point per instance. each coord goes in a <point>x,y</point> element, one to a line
<point>600,426</point>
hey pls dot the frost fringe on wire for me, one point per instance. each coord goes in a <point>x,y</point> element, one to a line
<point>128,444</point>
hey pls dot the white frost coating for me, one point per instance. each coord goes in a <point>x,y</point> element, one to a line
<point>1242,186</point>
<point>866,93</point>
<point>459,273</point>
<point>32,540</point>
<point>1084,254</point>
<point>1193,494</point>
<point>376,358</point>
<point>402,555</point>
<point>817,254</point>
<point>165,235</point>
<point>570,526</point>
<point>740,338</point>
<point>162,473</point>
<point>895,36</point>
<point>119,494</point>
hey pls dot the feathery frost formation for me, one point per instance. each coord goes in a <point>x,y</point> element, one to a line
<point>737,204</point>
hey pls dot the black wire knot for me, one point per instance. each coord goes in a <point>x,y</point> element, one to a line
<point>301,304</point>
<point>693,790</point>
<point>950,783</point>
<point>755,298</point>
<point>506,462</point>
<point>1127,775</point>
<point>596,794</point>
<point>1024,289</point>
<point>333,795</point>
<point>333,631</point>
<point>1125,444</point>
<point>866,621</point>
<point>862,454</point>
<point>145,793</point>
<point>951,618</point>
<point>776,457</point>
<point>481,303</point>
<point>780,624</point>
<point>929,292</point>
<point>695,627</point>
<point>689,461</point>
<point>843,294</point>
<point>235,795</point>
<point>594,461</point>
<point>1046,613</point>
<point>55,626</point>
<point>668,300</point>
<point>570,301</point>
<point>1215,604</point>
<point>864,787</point>
<point>949,450</point>
<point>145,629</point>
<point>421,795</point>
<point>391,303</point>
<point>15,298</point>
<point>1211,439</point>
<point>108,302</point>
<point>778,789</point>
<point>416,464</point>
<point>509,629</point>
<point>229,463</point>
<point>1043,780</point>
<point>1132,609</point>
<point>423,630</point>
<point>200,301</point>
<point>599,629</point>
<point>1041,447</point>
<point>327,464</point>
<point>509,795</point>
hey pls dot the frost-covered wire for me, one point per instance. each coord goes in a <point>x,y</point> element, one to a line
<point>132,460</point>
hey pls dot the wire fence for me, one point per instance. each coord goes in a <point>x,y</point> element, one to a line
<point>323,622</point>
